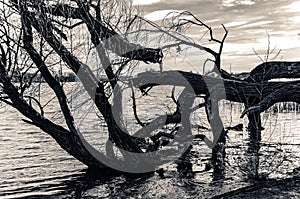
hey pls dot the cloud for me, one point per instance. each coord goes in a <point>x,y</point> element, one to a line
<point>145,2</point>
<point>294,7</point>
<point>161,14</point>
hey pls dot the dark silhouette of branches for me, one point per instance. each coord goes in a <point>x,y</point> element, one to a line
<point>35,33</point>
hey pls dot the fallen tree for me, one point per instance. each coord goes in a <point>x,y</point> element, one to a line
<point>33,31</point>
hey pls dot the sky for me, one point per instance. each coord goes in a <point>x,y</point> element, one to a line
<point>248,21</point>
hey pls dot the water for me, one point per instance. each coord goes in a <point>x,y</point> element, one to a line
<point>33,165</point>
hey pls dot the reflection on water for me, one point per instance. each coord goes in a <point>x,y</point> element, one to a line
<point>33,165</point>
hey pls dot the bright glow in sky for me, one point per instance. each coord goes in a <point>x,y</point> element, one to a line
<point>145,2</point>
<point>160,14</point>
<point>294,7</point>
<point>231,3</point>
<point>235,23</point>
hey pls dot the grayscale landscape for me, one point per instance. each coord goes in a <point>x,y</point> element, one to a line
<point>149,99</point>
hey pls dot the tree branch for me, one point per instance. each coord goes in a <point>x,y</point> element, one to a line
<point>274,70</point>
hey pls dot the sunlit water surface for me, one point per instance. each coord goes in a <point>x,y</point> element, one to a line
<point>33,165</point>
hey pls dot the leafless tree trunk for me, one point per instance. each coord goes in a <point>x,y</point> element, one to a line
<point>45,28</point>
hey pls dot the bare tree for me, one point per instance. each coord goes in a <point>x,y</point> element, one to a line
<point>40,36</point>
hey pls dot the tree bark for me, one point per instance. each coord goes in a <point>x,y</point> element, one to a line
<point>256,91</point>
<point>266,93</point>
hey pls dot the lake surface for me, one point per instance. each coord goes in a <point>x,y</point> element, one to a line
<point>33,165</point>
